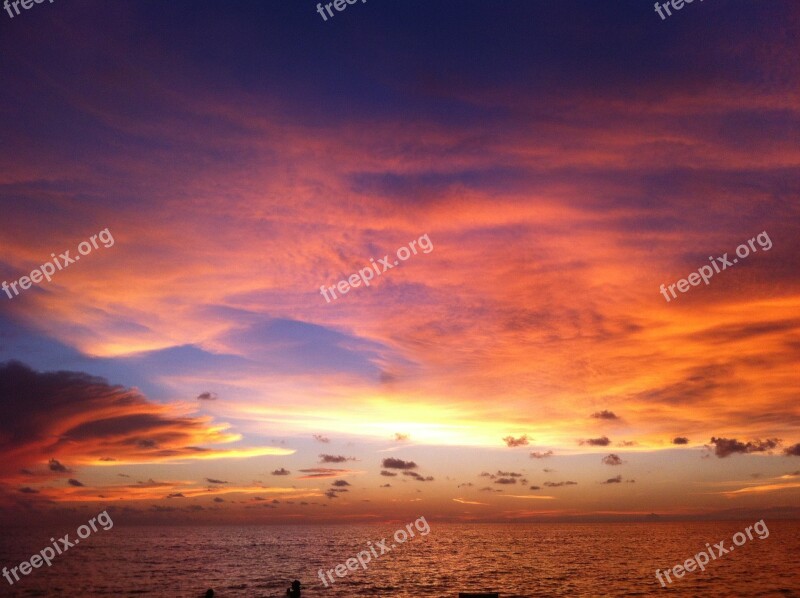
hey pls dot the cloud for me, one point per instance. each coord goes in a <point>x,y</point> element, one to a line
<point>486,474</point>
<point>388,474</point>
<point>469,502</point>
<point>509,474</point>
<point>323,472</point>
<point>207,396</point>
<point>559,484</point>
<point>627,443</point>
<point>83,419</point>
<point>513,442</point>
<point>400,437</point>
<point>54,465</point>
<point>602,441</point>
<point>505,481</point>
<point>281,471</point>
<point>545,455</point>
<point>535,488</point>
<point>465,485</point>
<point>340,483</point>
<point>488,489</point>
<point>680,440</point>
<point>213,481</point>
<point>28,490</point>
<point>793,451</point>
<point>612,459</point>
<point>548,470</point>
<point>74,482</point>
<point>418,477</point>
<point>724,447</point>
<point>321,438</point>
<point>218,499</point>
<point>176,495</point>
<point>107,459</point>
<point>604,414</point>
<point>386,486</point>
<point>335,459</point>
<point>392,463</point>
<point>615,480</point>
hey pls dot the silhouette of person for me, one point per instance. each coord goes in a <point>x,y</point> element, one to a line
<point>294,591</point>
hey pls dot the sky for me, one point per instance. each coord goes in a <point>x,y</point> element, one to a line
<point>512,193</point>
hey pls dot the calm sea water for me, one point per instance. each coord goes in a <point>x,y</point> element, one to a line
<point>513,559</point>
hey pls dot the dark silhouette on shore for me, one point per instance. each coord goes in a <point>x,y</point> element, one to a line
<point>294,591</point>
<point>209,593</point>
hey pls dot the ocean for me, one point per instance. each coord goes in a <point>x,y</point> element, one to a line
<point>515,560</point>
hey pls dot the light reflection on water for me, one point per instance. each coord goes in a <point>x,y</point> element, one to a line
<point>513,559</point>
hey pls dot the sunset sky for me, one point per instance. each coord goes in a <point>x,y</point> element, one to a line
<point>560,161</point>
